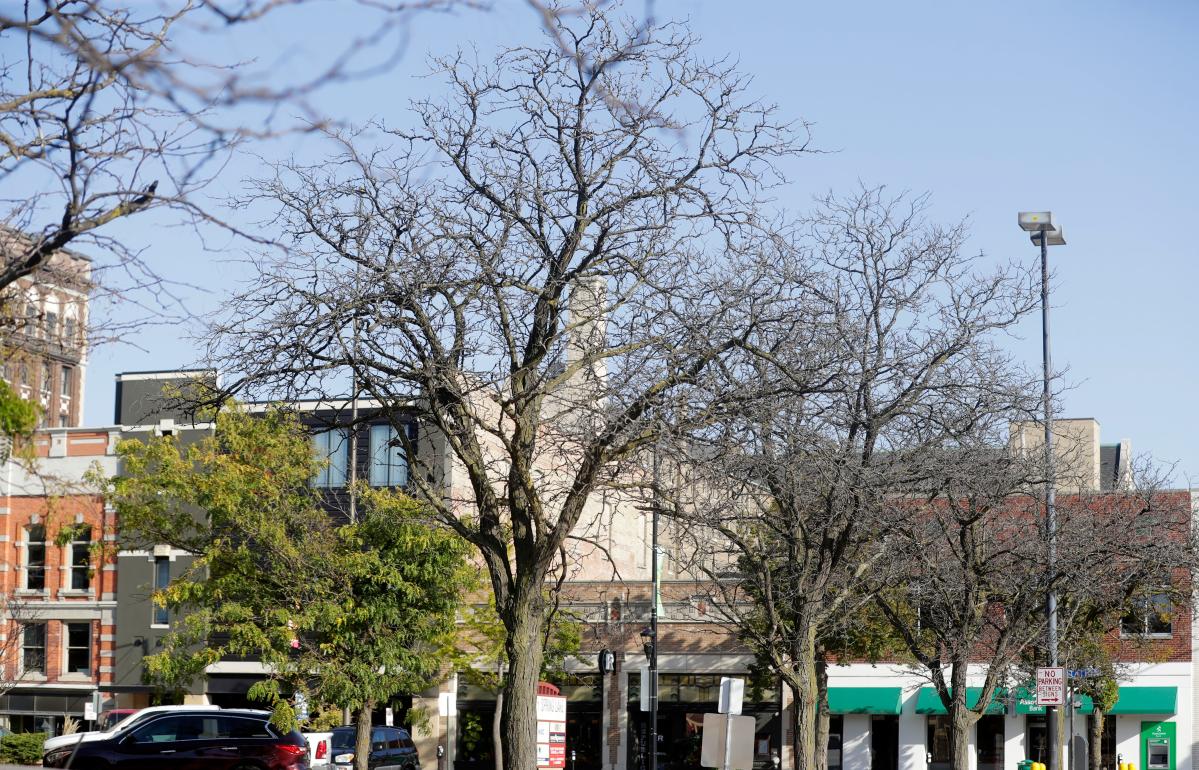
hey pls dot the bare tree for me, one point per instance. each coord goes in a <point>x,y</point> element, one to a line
<point>438,270</point>
<point>108,110</point>
<point>890,361</point>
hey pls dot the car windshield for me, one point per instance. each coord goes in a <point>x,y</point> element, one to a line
<point>128,720</point>
<point>343,739</point>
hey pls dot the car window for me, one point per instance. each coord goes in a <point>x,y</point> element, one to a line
<point>406,740</point>
<point>393,739</point>
<point>174,728</point>
<point>243,727</point>
<point>343,739</point>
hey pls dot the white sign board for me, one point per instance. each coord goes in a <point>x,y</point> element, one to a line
<point>1051,686</point>
<point>447,704</point>
<point>389,717</point>
<point>646,688</point>
<point>551,731</point>
<point>89,712</point>
<point>712,750</point>
<point>732,692</point>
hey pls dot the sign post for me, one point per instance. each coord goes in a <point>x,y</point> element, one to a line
<point>1051,686</point>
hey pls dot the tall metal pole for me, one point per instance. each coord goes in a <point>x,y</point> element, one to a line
<point>1051,731</point>
<point>653,624</point>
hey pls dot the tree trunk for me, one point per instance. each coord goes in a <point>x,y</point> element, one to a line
<point>820,756</point>
<point>524,621</point>
<point>497,744</point>
<point>961,720</point>
<point>1095,739</point>
<point>362,738</point>
<point>803,683</point>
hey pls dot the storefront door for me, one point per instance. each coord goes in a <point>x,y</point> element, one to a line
<point>989,742</point>
<point>884,742</point>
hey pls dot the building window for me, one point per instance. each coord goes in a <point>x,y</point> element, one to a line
<point>1150,616</point>
<point>51,326</point>
<point>81,558</point>
<point>31,321</point>
<point>162,579</point>
<point>35,558</point>
<point>33,648</point>
<point>389,464</point>
<point>64,384</point>
<point>45,384</point>
<point>23,374</point>
<point>79,648</point>
<point>332,446</point>
<point>69,332</point>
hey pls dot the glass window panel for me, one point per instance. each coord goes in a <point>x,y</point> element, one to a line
<point>33,648</point>
<point>389,464</point>
<point>35,558</point>
<point>162,579</point>
<point>332,446</point>
<point>79,648</point>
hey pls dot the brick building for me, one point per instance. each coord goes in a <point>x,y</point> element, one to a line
<point>43,334</point>
<point>58,581</point>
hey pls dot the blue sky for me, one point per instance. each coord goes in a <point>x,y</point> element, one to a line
<point>1085,108</point>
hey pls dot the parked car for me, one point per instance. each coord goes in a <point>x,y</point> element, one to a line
<point>391,749</point>
<point>129,720</point>
<point>318,748</point>
<point>109,718</point>
<point>214,739</point>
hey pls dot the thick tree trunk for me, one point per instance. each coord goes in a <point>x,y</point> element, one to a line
<point>362,738</point>
<point>1095,739</point>
<point>497,743</point>
<point>524,622</point>
<point>961,720</point>
<point>820,757</point>
<point>803,683</point>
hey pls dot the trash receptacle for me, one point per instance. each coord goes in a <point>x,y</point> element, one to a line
<point>1024,764</point>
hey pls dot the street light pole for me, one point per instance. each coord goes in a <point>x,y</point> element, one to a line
<point>1040,224</point>
<point>653,623</point>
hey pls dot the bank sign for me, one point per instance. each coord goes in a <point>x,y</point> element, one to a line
<point>1051,686</point>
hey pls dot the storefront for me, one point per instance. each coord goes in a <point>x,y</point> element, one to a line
<point>683,699</point>
<point>474,745</point>
<point>864,727</point>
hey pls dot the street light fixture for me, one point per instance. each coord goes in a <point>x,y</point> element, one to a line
<point>1045,233</point>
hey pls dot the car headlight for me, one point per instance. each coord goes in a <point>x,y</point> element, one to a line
<point>343,758</point>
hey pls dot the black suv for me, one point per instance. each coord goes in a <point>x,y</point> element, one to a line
<point>225,739</point>
<point>391,749</point>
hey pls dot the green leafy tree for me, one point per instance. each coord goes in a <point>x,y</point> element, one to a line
<point>348,613</point>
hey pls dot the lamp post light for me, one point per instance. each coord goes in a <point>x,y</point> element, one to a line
<point>1043,233</point>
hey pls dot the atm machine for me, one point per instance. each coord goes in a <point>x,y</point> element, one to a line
<point>1157,752</point>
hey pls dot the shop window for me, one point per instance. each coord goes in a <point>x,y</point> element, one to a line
<point>333,448</point>
<point>1150,617</point>
<point>35,558</point>
<point>162,579</point>
<point>81,558</point>
<point>33,648</point>
<point>939,754</point>
<point>389,463</point>
<point>79,648</point>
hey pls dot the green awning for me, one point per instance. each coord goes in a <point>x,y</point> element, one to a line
<point>928,702</point>
<point>1140,700</point>
<point>865,700</point>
